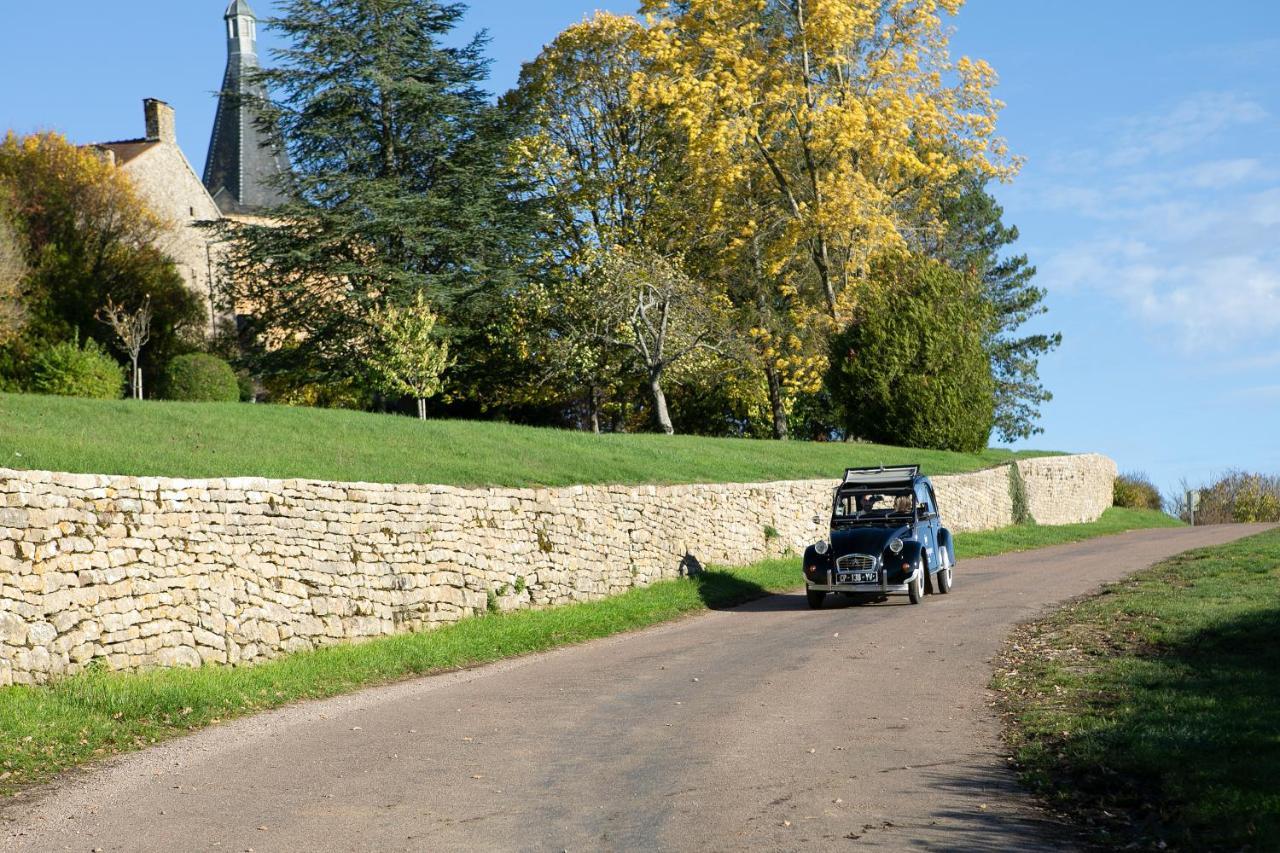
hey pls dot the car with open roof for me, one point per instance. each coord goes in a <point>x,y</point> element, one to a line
<point>885,537</point>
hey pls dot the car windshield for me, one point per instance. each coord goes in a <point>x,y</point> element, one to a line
<point>864,505</point>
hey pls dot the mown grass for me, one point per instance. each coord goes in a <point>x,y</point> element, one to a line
<point>1150,712</point>
<point>202,440</point>
<point>45,730</point>
<point>1029,536</point>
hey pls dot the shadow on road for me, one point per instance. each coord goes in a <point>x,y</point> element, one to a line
<point>722,591</point>
<point>996,828</point>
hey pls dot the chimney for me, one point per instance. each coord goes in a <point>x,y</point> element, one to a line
<point>161,124</point>
<point>106,155</point>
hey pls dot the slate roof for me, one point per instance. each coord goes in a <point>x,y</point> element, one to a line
<point>239,7</point>
<point>240,168</point>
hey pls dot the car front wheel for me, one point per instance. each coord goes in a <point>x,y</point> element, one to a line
<point>915,589</point>
<point>815,598</point>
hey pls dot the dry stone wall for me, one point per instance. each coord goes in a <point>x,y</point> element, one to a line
<point>138,572</point>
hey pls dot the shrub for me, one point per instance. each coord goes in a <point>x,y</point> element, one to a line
<point>1018,495</point>
<point>913,369</point>
<point>1240,497</point>
<point>70,370</point>
<point>200,378</point>
<point>1136,491</point>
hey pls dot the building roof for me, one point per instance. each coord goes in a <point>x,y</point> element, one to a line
<point>239,8</point>
<point>242,167</point>
<point>127,149</point>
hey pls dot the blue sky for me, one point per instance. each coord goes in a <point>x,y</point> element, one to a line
<point>1150,200</point>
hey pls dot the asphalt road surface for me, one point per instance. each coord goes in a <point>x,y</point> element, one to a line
<point>765,727</point>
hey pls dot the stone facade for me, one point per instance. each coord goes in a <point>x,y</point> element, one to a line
<point>171,188</point>
<point>139,572</point>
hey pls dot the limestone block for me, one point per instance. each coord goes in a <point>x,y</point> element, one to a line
<point>41,634</point>
<point>182,656</point>
<point>13,629</point>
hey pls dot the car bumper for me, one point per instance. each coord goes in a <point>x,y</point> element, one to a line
<point>882,588</point>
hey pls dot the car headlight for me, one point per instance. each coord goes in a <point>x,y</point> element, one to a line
<point>896,546</point>
<point>822,548</point>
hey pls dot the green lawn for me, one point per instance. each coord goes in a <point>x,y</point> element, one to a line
<point>1151,712</point>
<point>197,440</point>
<point>1026,537</point>
<point>45,730</point>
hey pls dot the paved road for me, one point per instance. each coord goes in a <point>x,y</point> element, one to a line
<point>766,727</point>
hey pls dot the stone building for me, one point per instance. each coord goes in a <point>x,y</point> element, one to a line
<point>238,182</point>
<point>170,186</point>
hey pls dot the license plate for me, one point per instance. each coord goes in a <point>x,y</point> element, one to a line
<point>858,577</point>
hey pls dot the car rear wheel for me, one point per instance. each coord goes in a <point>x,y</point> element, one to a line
<point>946,574</point>
<point>815,598</point>
<point>915,589</point>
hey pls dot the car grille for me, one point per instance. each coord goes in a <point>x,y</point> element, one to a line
<point>856,563</point>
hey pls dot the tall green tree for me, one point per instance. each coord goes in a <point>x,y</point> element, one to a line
<point>396,182</point>
<point>976,242</point>
<point>912,368</point>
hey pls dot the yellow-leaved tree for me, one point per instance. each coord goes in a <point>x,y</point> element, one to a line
<point>851,112</point>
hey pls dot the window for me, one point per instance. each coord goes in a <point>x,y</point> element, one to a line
<point>924,495</point>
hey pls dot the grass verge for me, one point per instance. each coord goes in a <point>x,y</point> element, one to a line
<point>45,730</point>
<point>1030,536</point>
<point>205,440</point>
<point>1149,712</point>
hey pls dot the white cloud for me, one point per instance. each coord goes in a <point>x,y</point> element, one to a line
<point>1258,393</point>
<point>1188,125</point>
<point>1216,304</point>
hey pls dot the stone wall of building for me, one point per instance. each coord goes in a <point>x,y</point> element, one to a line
<point>140,572</point>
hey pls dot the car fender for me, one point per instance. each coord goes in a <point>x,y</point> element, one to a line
<point>945,541</point>
<point>912,553</point>
<point>820,563</point>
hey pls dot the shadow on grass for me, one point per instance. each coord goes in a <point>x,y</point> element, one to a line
<point>1182,740</point>
<point>724,591</point>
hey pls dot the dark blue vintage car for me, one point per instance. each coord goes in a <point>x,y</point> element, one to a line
<point>886,539</point>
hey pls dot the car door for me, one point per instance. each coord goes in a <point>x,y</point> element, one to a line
<point>928,525</point>
<point>938,528</point>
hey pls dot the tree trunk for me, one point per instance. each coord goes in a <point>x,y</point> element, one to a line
<point>137,381</point>
<point>781,430</point>
<point>660,404</point>
<point>593,404</point>
<point>822,261</point>
<point>422,408</point>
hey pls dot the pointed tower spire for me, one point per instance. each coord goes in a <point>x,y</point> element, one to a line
<point>241,166</point>
<point>242,30</point>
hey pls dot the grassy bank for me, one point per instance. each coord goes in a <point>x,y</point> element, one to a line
<point>1150,711</point>
<point>199,440</point>
<point>44,730</point>
<point>1027,537</point>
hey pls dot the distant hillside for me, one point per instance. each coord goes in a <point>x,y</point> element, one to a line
<point>202,440</point>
